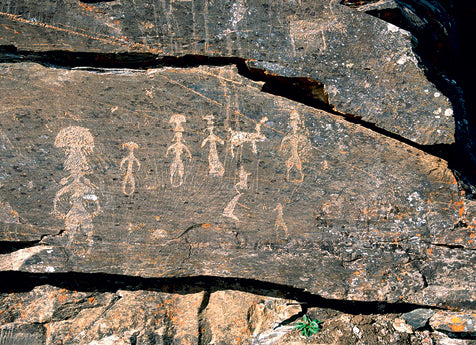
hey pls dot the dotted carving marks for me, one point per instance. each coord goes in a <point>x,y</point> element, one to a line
<point>177,148</point>
<point>298,147</point>
<point>78,191</point>
<point>128,181</point>
<point>215,167</point>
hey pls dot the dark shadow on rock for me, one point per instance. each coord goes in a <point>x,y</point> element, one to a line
<point>17,282</point>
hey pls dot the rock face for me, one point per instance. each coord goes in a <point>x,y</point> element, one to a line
<point>367,65</point>
<point>223,180</point>
<point>155,188</point>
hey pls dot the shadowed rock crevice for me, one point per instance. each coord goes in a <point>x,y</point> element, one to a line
<point>15,282</point>
<point>307,91</point>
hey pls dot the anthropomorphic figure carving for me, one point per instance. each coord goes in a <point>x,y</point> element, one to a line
<point>177,168</point>
<point>128,181</point>
<point>215,167</point>
<point>78,143</point>
<point>298,145</point>
<point>280,223</point>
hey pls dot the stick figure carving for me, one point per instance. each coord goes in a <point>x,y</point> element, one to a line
<point>242,184</point>
<point>177,168</point>
<point>128,181</point>
<point>238,138</point>
<point>77,143</point>
<point>215,167</point>
<point>299,147</point>
<point>280,223</point>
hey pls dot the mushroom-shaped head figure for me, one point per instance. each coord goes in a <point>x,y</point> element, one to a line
<point>177,119</point>
<point>77,142</point>
<point>75,138</point>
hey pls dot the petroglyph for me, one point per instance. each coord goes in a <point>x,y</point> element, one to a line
<point>215,167</point>
<point>298,145</point>
<point>77,143</point>
<point>177,169</point>
<point>176,120</point>
<point>242,184</point>
<point>280,223</point>
<point>128,181</point>
<point>238,138</point>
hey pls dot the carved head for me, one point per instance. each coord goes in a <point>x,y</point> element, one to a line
<point>130,145</point>
<point>75,138</point>
<point>178,119</point>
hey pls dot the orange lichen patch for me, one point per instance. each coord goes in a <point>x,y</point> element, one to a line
<point>91,300</point>
<point>429,251</point>
<point>206,225</point>
<point>455,319</point>
<point>457,327</point>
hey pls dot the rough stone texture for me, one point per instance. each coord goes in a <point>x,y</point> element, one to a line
<point>455,322</point>
<point>51,315</point>
<point>418,318</point>
<point>92,166</point>
<point>368,66</point>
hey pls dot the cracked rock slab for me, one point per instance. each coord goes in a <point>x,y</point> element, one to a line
<point>187,172</point>
<point>368,66</point>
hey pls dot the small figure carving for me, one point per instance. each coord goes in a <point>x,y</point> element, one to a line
<point>242,184</point>
<point>238,138</point>
<point>177,167</point>
<point>280,223</point>
<point>177,120</point>
<point>128,181</point>
<point>299,147</point>
<point>77,143</point>
<point>215,167</point>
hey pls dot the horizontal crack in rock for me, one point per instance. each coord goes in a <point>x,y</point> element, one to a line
<point>101,282</point>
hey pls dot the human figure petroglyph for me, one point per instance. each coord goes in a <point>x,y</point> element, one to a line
<point>176,120</point>
<point>242,184</point>
<point>215,167</point>
<point>128,181</point>
<point>177,168</point>
<point>238,138</point>
<point>280,223</point>
<point>77,143</point>
<point>298,144</point>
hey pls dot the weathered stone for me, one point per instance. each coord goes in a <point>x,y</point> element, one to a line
<point>455,322</point>
<point>401,326</point>
<point>367,65</point>
<point>21,334</point>
<point>186,172</point>
<point>234,317</point>
<point>418,318</point>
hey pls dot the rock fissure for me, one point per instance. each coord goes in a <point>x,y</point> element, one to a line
<point>16,282</point>
<point>306,91</point>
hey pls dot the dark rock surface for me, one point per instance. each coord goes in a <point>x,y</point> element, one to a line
<point>183,172</point>
<point>368,66</point>
<point>204,172</point>
<point>418,318</point>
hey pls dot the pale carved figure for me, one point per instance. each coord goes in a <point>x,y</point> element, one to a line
<point>238,138</point>
<point>177,169</point>
<point>128,181</point>
<point>215,167</point>
<point>298,146</point>
<point>242,184</point>
<point>176,120</point>
<point>280,223</point>
<point>77,143</point>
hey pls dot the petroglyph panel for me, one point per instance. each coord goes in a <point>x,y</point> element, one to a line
<point>178,172</point>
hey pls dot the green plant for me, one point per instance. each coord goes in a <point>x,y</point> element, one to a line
<point>308,327</point>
